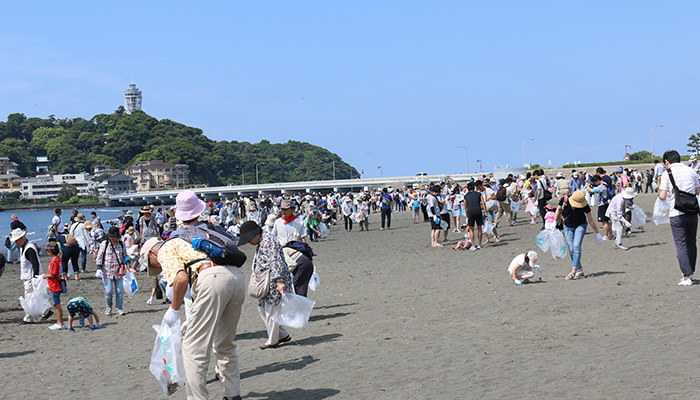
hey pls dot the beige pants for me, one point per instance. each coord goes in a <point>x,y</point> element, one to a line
<point>218,294</point>
<point>275,331</point>
<point>503,208</point>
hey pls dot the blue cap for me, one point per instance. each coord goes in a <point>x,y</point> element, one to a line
<point>619,169</point>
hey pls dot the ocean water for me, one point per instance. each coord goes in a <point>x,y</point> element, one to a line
<point>37,222</point>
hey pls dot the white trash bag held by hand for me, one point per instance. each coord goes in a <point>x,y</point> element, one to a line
<point>662,209</point>
<point>166,359</point>
<point>294,310</point>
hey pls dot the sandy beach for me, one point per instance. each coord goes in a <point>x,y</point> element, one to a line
<point>397,319</point>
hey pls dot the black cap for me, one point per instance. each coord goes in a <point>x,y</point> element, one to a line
<point>249,230</point>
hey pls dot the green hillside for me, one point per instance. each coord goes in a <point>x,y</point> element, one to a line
<point>117,140</point>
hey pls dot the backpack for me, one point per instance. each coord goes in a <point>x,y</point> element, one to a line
<point>220,247</point>
<point>502,194</point>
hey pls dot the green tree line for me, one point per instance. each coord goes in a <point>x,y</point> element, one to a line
<point>119,139</point>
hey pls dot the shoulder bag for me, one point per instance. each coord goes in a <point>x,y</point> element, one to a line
<point>684,202</point>
<point>259,286</point>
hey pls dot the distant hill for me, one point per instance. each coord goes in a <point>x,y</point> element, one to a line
<point>118,140</point>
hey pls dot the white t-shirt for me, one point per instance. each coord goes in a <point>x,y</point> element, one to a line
<point>292,231</point>
<point>486,194</point>
<point>519,260</point>
<point>56,220</point>
<point>686,179</point>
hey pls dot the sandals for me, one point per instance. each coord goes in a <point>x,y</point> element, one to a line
<point>570,276</point>
<point>286,339</point>
<point>579,274</point>
<point>268,346</point>
<point>273,346</point>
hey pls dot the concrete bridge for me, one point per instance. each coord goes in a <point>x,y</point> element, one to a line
<point>264,189</point>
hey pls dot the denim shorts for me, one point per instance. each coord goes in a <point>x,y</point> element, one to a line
<point>55,298</point>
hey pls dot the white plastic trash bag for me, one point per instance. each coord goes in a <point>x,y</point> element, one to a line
<point>543,239</point>
<point>294,310</point>
<point>130,284</point>
<point>662,208</point>
<point>639,217</point>
<point>38,300</point>
<point>314,281</point>
<point>324,230</point>
<point>557,244</point>
<point>538,272</point>
<point>166,358</point>
<point>488,228</point>
<point>515,205</point>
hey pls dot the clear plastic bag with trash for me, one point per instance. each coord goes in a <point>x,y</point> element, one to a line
<point>662,209</point>
<point>324,230</point>
<point>38,300</point>
<point>557,244</point>
<point>639,217</point>
<point>314,281</point>
<point>294,310</point>
<point>166,359</point>
<point>488,228</point>
<point>130,284</point>
<point>543,239</point>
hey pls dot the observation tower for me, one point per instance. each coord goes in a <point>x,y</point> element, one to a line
<point>132,98</point>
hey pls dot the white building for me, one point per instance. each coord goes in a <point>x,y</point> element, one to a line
<point>48,186</point>
<point>132,98</point>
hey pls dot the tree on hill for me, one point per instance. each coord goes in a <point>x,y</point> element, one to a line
<point>640,155</point>
<point>119,139</point>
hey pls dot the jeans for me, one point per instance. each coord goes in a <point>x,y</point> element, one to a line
<point>684,229</point>
<point>110,286</point>
<point>70,254</point>
<point>12,249</point>
<point>83,259</point>
<point>574,238</point>
<point>386,216</point>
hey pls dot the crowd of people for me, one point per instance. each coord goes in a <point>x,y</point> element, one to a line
<point>204,277</point>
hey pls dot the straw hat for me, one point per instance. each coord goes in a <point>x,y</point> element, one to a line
<point>578,200</point>
<point>80,218</point>
<point>88,225</point>
<point>146,209</point>
<point>131,230</point>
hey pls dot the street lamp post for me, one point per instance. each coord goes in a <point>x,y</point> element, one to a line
<point>242,175</point>
<point>481,169</point>
<point>333,169</point>
<point>467,154</point>
<point>525,140</point>
<point>256,172</point>
<point>652,138</point>
<point>381,171</point>
<point>362,165</point>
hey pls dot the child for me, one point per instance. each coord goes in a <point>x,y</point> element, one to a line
<point>532,208</point>
<point>54,277</point>
<point>463,244</point>
<point>522,266</point>
<point>549,222</point>
<point>81,307</point>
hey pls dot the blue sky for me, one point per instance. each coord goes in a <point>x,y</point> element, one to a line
<point>406,81</point>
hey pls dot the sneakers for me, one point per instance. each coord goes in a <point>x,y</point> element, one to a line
<point>455,230</point>
<point>120,312</point>
<point>56,327</point>
<point>621,247</point>
<point>473,248</point>
<point>478,247</point>
<point>46,314</point>
<point>685,282</point>
<point>108,311</point>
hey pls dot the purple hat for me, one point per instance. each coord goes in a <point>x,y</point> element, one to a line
<point>189,206</point>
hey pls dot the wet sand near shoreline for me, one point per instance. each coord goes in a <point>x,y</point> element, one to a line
<point>398,319</point>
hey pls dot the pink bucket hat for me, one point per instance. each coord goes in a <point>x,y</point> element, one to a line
<point>189,206</point>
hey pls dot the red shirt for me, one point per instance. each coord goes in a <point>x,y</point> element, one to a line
<point>55,270</point>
